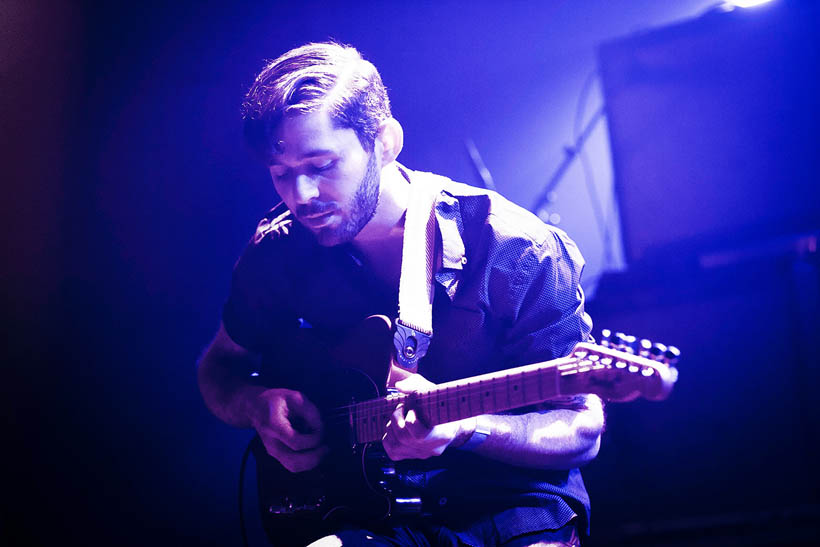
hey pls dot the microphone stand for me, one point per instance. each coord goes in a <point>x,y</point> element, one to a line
<point>570,153</point>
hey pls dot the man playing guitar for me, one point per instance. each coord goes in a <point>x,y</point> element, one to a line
<point>506,294</point>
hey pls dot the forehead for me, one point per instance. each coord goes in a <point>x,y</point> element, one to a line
<point>305,134</point>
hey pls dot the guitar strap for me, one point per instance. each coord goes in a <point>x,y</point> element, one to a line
<point>414,325</point>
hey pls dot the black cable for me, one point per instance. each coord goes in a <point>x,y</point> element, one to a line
<point>242,467</point>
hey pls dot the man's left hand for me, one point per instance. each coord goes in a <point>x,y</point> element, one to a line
<point>408,435</point>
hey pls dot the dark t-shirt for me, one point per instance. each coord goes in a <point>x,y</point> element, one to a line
<point>507,294</point>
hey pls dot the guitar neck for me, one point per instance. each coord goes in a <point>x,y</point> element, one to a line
<point>486,394</point>
<point>613,374</point>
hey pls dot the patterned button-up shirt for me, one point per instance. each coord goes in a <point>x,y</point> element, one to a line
<point>507,294</point>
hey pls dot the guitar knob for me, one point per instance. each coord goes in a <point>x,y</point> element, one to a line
<point>671,356</point>
<point>606,338</point>
<point>658,350</point>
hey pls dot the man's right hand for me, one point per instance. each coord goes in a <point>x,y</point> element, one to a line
<point>290,428</point>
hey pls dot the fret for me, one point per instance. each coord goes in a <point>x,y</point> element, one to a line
<point>523,386</point>
<point>361,422</point>
<point>366,418</point>
<point>359,429</point>
<point>507,385</point>
<point>375,421</point>
<point>514,391</point>
<point>475,398</point>
<point>495,399</point>
<point>371,418</point>
<point>438,406</point>
<point>384,417</point>
<point>371,422</point>
<point>447,403</point>
<point>462,401</point>
<point>378,422</point>
<point>491,393</point>
<point>367,424</point>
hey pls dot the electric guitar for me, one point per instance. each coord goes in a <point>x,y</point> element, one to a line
<point>356,480</point>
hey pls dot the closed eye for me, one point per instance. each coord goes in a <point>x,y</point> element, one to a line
<point>278,172</point>
<point>324,166</point>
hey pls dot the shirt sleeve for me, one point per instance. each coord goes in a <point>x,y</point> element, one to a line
<point>547,316</point>
<point>254,315</point>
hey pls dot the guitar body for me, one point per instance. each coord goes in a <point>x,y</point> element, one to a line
<point>356,483</point>
<point>297,508</point>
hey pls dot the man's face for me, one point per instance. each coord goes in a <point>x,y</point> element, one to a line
<point>325,177</point>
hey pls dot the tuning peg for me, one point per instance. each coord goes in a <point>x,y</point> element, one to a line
<point>631,344</point>
<point>657,351</point>
<point>671,356</point>
<point>606,338</point>
<point>645,347</point>
<point>625,342</point>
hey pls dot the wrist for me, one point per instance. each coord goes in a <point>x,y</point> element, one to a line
<point>476,435</point>
<point>466,428</point>
<point>250,407</point>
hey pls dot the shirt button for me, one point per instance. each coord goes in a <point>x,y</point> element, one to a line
<point>442,501</point>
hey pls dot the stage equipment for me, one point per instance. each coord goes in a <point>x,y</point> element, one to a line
<point>713,125</point>
<point>570,153</point>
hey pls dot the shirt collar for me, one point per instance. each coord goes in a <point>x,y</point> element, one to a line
<point>450,229</point>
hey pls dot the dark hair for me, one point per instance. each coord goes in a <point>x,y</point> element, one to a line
<point>310,78</point>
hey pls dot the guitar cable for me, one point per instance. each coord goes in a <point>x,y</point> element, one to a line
<point>241,492</point>
<point>386,498</point>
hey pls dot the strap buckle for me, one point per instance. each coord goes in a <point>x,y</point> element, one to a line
<point>411,345</point>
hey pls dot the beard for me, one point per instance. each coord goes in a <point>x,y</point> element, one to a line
<point>361,206</point>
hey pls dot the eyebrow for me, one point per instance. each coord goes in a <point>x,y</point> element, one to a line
<point>308,155</point>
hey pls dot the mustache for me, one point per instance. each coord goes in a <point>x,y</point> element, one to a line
<point>315,208</point>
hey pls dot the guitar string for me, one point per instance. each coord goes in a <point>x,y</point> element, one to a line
<point>467,391</point>
<point>463,394</point>
<point>343,410</point>
<point>460,394</point>
<point>471,385</point>
<point>381,407</point>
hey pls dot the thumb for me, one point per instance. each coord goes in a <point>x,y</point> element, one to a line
<point>414,383</point>
<point>304,414</point>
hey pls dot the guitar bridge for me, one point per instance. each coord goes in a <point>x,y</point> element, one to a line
<point>288,507</point>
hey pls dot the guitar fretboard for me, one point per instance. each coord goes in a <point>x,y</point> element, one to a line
<point>613,374</point>
<point>486,394</point>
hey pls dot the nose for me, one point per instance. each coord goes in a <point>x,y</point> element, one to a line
<point>305,189</point>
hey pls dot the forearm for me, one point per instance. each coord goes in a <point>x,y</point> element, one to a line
<point>556,439</point>
<point>228,394</point>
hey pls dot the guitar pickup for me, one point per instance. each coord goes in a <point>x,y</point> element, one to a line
<point>407,506</point>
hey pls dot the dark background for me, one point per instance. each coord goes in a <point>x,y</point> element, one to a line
<point>128,196</point>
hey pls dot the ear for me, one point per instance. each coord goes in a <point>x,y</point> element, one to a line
<point>391,137</point>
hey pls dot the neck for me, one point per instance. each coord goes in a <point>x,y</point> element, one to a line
<point>388,219</point>
<point>380,241</point>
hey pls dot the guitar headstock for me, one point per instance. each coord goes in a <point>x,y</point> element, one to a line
<point>621,368</point>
